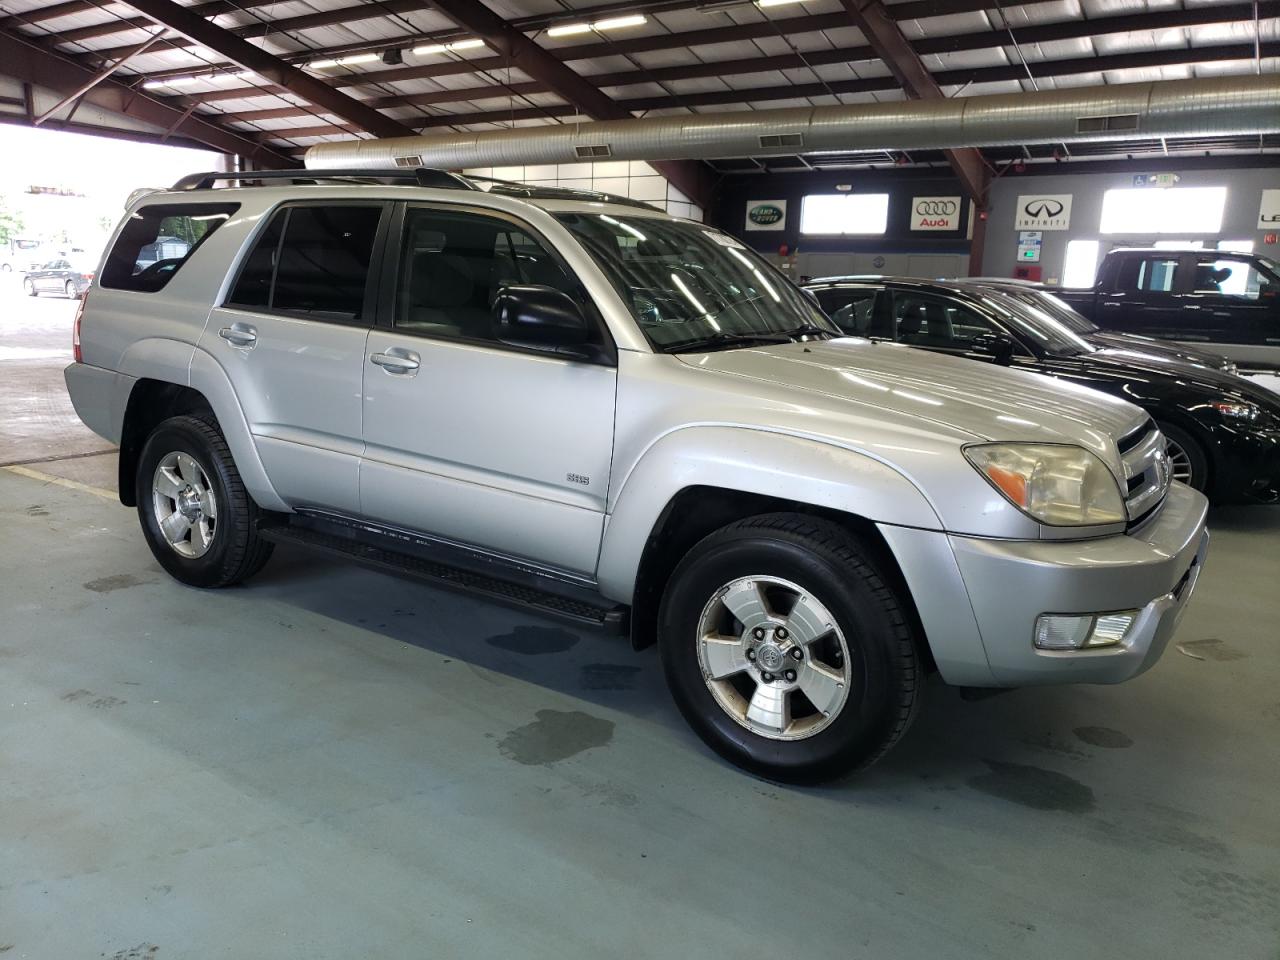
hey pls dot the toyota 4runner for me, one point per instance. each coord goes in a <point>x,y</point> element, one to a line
<point>587,407</point>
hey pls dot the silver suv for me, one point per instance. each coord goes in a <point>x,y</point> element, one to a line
<point>587,407</point>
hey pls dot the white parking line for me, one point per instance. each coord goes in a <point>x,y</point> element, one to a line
<point>61,482</point>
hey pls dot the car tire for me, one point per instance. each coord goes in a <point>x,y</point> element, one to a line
<point>29,286</point>
<point>812,575</point>
<point>69,289</point>
<point>186,472</point>
<point>1190,462</point>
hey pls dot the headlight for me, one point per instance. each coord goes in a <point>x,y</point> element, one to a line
<point>1057,484</point>
<point>1237,410</point>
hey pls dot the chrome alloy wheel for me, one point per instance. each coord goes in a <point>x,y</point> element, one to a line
<point>773,657</point>
<point>1179,460</point>
<point>185,505</point>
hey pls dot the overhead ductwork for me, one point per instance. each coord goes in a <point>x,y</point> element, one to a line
<point>1224,106</point>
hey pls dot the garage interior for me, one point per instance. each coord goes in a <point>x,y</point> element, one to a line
<point>329,762</point>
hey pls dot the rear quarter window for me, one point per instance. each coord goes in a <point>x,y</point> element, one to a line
<point>156,242</point>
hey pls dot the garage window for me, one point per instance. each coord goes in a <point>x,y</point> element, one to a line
<point>1142,211</point>
<point>157,240</point>
<point>844,214</point>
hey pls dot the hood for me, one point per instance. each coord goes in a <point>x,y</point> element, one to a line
<point>1161,348</point>
<point>985,401</point>
<point>1190,379</point>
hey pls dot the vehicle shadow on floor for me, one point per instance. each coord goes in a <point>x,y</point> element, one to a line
<point>950,740</point>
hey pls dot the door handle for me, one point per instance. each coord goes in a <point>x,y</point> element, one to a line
<point>396,363</point>
<point>239,336</point>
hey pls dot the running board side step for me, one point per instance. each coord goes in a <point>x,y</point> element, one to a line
<point>613,618</point>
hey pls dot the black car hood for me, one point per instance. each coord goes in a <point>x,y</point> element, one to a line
<point>1135,362</point>
<point>1161,348</point>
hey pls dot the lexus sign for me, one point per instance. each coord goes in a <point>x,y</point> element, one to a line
<point>935,213</point>
<point>1043,211</point>
<point>1269,212</point>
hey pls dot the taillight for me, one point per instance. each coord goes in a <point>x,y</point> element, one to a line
<point>75,329</point>
<point>86,276</point>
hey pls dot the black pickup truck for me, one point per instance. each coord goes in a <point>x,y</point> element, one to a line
<point>1204,297</point>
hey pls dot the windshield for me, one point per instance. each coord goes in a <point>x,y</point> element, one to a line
<point>1032,313</point>
<point>1056,307</point>
<point>692,287</point>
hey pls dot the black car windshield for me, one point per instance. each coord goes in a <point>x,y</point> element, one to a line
<point>690,287</point>
<point>1037,322</point>
<point>1054,306</point>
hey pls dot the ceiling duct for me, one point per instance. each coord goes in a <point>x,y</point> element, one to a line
<point>1221,106</point>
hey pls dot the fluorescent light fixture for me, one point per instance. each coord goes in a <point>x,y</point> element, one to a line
<point>617,23</point>
<point>172,82</point>
<point>427,49</point>
<point>775,3</point>
<point>344,61</point>
<point>611,23</point>
<point>568,29</point>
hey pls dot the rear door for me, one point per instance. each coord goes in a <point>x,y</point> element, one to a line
<point>291,338</point>
<point>469,438</point>
<point>851,307</point>
<point>945,326</point>
<point>1142,298</point>
<point>1233,305</point>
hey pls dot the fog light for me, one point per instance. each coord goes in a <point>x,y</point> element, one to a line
<point>1081,631</point>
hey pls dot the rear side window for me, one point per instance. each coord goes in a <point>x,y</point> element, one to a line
<point>157,240</point>
<point>311,260</point>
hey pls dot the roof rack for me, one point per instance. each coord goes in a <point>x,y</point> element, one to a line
<point>417,176</point>
<point>509,188</point>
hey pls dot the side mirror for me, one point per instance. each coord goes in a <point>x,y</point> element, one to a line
<point>995,346</point>
<point>533,315</point>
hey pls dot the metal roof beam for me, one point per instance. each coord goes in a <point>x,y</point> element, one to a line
<point>518,50</point>
<point>32,63</point>
<point>891,45</point>
<point>315,91</point>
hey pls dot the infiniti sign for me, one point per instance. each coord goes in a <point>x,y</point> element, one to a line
<point>1043,212</point>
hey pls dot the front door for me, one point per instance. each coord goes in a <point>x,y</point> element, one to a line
<point>468,438</point>
<point>1234,307</point>
<point>291,337</point>
<point>1144,299</point>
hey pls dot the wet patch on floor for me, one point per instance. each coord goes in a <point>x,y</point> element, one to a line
<point>37,510</point>
<point>1103,737</point>
<point>119,581</point>
<point>1058,745</point>
<point>90,699</point>
<point>1033,787</point>
<point>555,735</point>
<point>143,951</point>
<point>609,676</point>
<point>1210,649</point>
<point>532,641</point>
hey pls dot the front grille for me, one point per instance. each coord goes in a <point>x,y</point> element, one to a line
<point>1147,471</point>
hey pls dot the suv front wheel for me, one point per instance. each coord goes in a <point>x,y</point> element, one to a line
<point>786,650</point>
<point>199,521</point>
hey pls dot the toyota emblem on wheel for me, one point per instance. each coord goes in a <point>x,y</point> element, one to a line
<point>936,208</point>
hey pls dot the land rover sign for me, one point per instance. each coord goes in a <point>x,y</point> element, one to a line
<point>766,215</point>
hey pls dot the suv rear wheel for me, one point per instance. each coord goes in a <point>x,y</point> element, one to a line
<point>786,650</point>
<point>200,522</point>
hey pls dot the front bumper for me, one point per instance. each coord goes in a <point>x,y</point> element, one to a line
<point>1248,465</point>
<point>1153,569</point>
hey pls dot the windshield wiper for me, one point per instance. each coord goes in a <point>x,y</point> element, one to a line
<point>808,330</point>
<point>715,340</point>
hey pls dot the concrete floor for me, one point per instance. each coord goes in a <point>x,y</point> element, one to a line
<point>331,763</point>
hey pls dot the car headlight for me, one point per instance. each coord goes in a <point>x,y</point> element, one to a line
<point>1237,410</point>
<point>1057,484</point>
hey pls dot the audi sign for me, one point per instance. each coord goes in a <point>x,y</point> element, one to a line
<point>935,213</point>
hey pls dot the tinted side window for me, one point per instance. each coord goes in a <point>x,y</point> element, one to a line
<point>1232,278</point>
<point>323,264</point>
<point>927,321</point>
<point>157,240</point>
<point>452,264</point>
<point>852,310</point>
<point>253,288</point>
<point>1157,275</point>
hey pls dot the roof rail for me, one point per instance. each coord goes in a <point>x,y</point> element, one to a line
<point>510,188</point>
<point>418,176</point>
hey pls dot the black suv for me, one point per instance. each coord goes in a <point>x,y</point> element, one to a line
<point>1223,430</point>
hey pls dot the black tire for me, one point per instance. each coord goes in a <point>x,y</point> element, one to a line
<point>829,563</point>
<point>69,289</point>
<point>1196,458</point>
<point>236,551</point>
<point>29,285</point>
